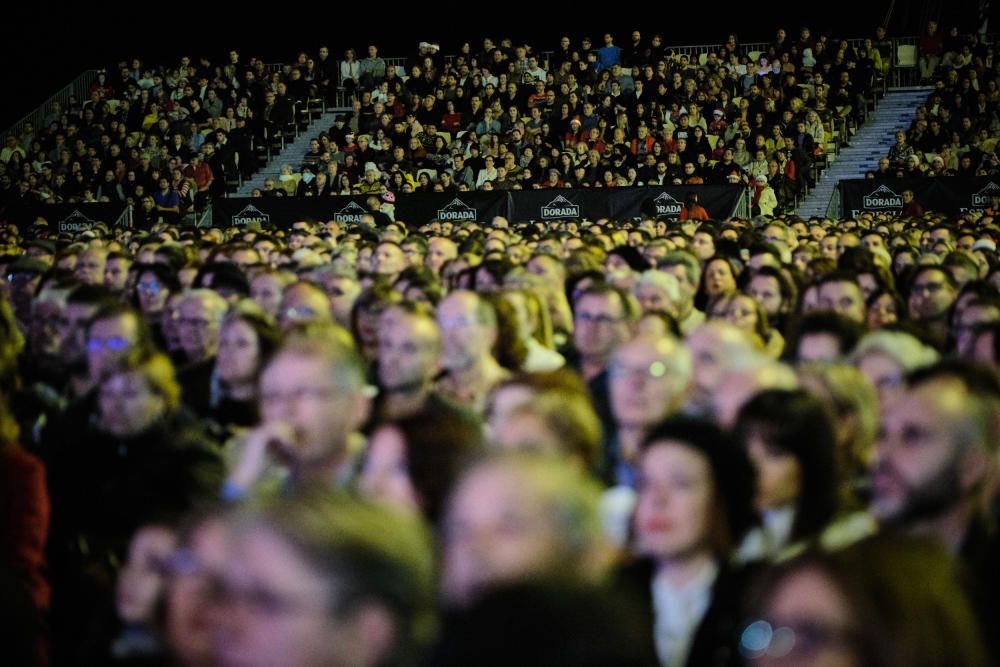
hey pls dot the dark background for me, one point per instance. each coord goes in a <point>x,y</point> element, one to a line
<point>44,45</point>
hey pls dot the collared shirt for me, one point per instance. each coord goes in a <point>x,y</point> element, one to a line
<point>678,612</point>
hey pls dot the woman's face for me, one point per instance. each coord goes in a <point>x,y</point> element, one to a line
<point>816,618</point>
<point>128,405</point>
<point>767,292</point>
<point>779,475</point>
<point>719,278</point>
<point>741,312</point>
<point>384,476</point>
<point>238,354</point>
<point>674,507</point>
<point>882,312</point>
<point>152,294</point>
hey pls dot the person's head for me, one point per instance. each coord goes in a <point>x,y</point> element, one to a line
<point>136,393</point>
<point>315,388</point>
<point>648,380</point>
<point>886,358</point>
<point>439,251</point>
<point>116,270</point>
<point>826,336</point>
<point>81,304</point>
<point>695,493</point>
<point>468,326</point>
<point>790,439</point>
<point>936,448</point>
<point>603,317</point>
<point>154,285</point>
<point>413,462</point>
<point>687,269</point>
<point>409,349</point>
<point>322,580</point>
<point>859,606</point>
<point>303,303</point>
<point>932,292</point>
<point>719,276</point>
<point>266,289</point>
<point>247,340</point>
<point>775,292</point>
<point>113,332</point>
<point>514,517</point>
<point>657,290</point>
<point>840,293</point>
<point>199,317</point>
<point>90,266</point>
<point>141,581</point>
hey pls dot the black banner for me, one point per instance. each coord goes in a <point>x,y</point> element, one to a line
<point>516,205</point>
<point>950,195</point>
<point>65,217</point>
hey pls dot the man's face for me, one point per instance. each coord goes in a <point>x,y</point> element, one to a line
<point>931,295</point>
<point>90,267</point>
<point>109,340</point>
<point>439,251</point>
<point>408,351</point>
<point>313,400</point>
<point>643,388</point>
<point>73,331</point>
<point>599,325</point>
<point>918,469</point>
<point>844,298</point>
<point>464,338</point>
<point>198,329</point>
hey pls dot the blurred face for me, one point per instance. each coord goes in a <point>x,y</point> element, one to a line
<point>152,294</point>
<point>918,470</point>
<point>301,304</point>
<point>808,605</point>
<point>128,405</point>
<point>844,298</point>
<point>313,401</point>
<point>385,476</point>
<point>408,352</point>
<point>266,290</point>
<point>703,245</point>
<point>109,340</point>
<point>821,347</point>
<point>141,580</point>
<point>643,388</point>
<point>238,354</point>
<point>188,595</point>
<point>741,312</point>
<point>599,325</point>
<point>931,295</point>
<point>439,251</point>
<point>674,505</point>
<point>779,475</point>
<point>116,273</point>
<point>73,331</point>
<point>274,608</point>
<point>882,312</point>
<point>653,297</point>
<point>198,327</point>
<point>464,338</point>
<point>719,278</point>
<point>886,375</point>
<point>767,291</point>
<point>90,267</point>
<point>495,531</point>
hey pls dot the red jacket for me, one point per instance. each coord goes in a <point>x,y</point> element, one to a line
<point>25,528</point>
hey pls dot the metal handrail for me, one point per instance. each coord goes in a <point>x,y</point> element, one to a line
<point>78,88</point>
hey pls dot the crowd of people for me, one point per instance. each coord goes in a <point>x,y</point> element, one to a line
<point>759,440</point>
<point>955,132</point>
<point>507,116</point>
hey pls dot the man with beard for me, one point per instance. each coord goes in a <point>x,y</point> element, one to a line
<point>935,461</point>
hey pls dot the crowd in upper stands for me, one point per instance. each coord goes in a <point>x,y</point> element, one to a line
<point>758,440</point>
<point>955,132</point>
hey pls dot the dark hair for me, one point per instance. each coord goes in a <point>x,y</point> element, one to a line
<point>844,329</point>
<point>439,444</point>
<point>905,599</point>
<point>733,477</point>
<point>797,423</point>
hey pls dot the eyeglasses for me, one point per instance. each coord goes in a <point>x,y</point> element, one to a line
<point>116,343</point>
<point>657,369</point>
<point>600,319</point>
<point>148,288</point>
<point>794,640</point>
